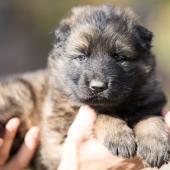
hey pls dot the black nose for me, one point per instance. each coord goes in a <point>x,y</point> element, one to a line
<point>98,86</point>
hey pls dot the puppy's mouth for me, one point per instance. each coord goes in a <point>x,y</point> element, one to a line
<point>108,97</point>
<point>98,101</point>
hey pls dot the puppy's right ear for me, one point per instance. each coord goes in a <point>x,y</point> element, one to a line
<point>62,32</point>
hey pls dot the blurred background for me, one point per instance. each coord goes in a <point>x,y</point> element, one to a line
<point>26,28</point>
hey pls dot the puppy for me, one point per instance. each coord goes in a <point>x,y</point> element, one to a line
<point>101,57</point>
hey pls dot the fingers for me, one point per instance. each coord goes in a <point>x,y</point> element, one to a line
<point>6,143</point>
<point>27,150</point>
<point>83,124</point>
<point>98,156</point>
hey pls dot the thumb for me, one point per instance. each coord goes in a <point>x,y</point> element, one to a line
<point>82,126</point>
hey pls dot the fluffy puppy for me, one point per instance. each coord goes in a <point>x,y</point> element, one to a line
<point>101,57</point>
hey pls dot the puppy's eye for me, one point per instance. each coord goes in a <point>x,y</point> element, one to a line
<point>81,57</point>
<point>119,57</point>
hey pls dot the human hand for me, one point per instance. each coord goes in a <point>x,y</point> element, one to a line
<point>82,151</point>
<point>24,155</point>
<point>166,115</point>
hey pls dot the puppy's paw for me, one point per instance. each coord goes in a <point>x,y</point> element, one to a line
<point>122,143</point>
<point>154,150</point>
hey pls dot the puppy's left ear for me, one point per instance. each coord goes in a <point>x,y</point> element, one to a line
<point>143,37</point>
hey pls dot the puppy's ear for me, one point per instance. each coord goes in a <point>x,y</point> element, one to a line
<point>143,37</point>
<point>61,33</point>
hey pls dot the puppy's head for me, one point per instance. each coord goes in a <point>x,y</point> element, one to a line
<point>101,54</point>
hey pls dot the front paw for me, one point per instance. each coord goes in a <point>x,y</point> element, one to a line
<point>154,150</point>
<point>121,142</point>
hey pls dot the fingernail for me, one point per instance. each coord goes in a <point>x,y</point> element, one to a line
<point>32,138</point>
<point>35,132</point>
<point>86,114</point>
<point>12,124</point>
<point>86,108</point>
